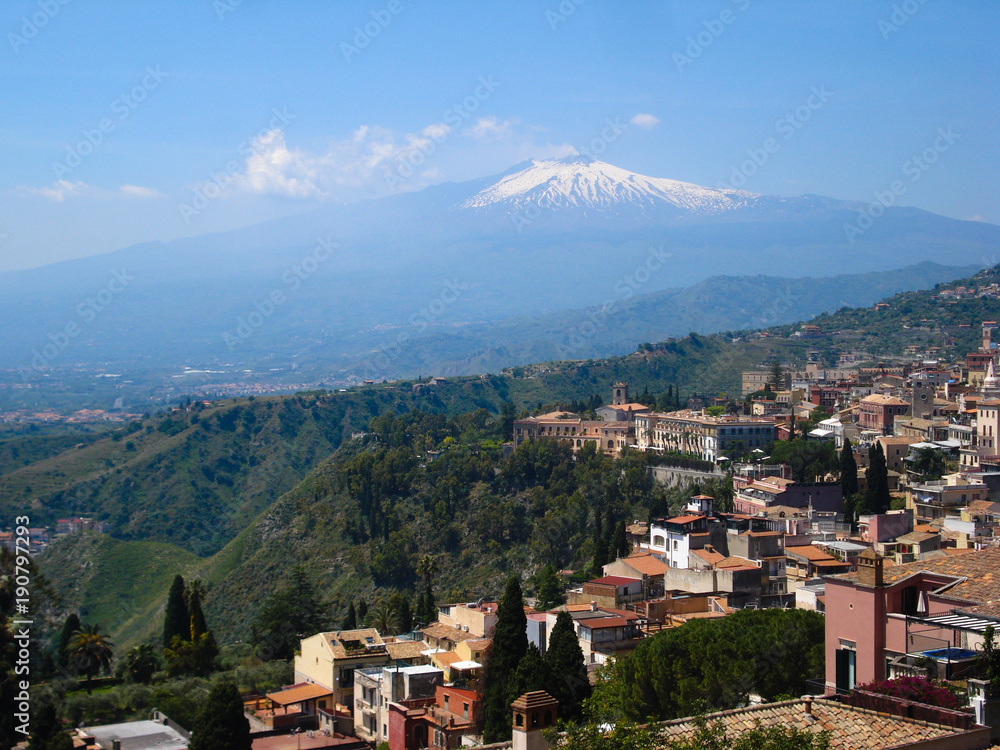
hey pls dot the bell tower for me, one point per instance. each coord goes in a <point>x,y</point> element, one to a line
<point>619,394</point>
<point>533,713</point>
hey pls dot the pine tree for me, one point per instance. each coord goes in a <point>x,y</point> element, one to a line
<point>564,658</point>
<point>176,620</point>
<point>220,724</point>
<point>351,621</point>
<point>510,644</point>
<point>550,590</point>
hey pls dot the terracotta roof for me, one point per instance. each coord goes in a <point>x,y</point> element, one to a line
<point>599,623</point>
<point>299,693</point>
<point>447,658</point>
<point>736,563</point>
<point>849,727</point>
<point>404,650</point>
<point>809,552</point>
<point>984,506</point>
<point>977,574</point>
<point>916,537</point>
<point>440,631</point>
<point>684,519</point>
<point>359,637</point>
<point>876,398</point>
<point>647,563</point>
<point>710,556</point>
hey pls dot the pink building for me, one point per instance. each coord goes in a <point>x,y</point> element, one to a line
<point>881,613</point>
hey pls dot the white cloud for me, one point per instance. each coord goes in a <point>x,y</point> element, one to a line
<point>645,121</point>
<point>62,190</point>
<point>137,191</point>
<point>490,129</point>
<point>273,168</point>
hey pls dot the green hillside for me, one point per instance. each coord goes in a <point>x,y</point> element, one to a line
<point>260,486</point>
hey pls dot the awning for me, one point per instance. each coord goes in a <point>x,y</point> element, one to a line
<point>299,693</point>
<point>957,622</point>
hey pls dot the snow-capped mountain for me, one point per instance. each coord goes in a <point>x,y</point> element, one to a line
<point>358,285</point>
<point>582,182</point>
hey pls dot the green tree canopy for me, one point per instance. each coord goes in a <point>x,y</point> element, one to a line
<point>675,673</point>
<point>220,724</point>
<point>550,589</point>
<point>807,459</point>
<point>141,663</point>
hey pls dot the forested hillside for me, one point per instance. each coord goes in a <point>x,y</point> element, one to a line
<point>240,492</point>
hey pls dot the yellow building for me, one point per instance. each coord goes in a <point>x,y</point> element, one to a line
<point>330,659</point>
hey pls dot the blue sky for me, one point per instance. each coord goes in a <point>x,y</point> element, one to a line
<point>272,108</point>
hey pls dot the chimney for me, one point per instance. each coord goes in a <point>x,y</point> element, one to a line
<point>593,606</point>
<point>870,568</point>
<point>807,701</point>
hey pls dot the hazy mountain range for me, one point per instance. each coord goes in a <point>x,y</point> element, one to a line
<point>348,290</point>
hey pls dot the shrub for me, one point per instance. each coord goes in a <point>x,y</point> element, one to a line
<point>917,689</point>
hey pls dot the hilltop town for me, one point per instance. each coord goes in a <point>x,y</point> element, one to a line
<point>866,495</point>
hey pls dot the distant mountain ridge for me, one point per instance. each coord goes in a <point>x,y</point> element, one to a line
<point>545,238</point>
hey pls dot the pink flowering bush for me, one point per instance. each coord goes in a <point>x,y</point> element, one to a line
<point>917,689</point>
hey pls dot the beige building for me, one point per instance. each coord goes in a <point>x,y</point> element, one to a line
<point>330,659</point>
<point>476,618</point>
<point>609,435</point>
<point>709,438</point>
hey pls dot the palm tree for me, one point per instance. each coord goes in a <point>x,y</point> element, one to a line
<point>91,651</point>
<point>427,568</point>
<point>141,663</point>
<point>383,618</point>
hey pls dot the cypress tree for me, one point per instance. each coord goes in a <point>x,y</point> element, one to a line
<point>71,625</point>
<point>564,659</point>
<point>429,613</point>
<point>220,724</point>
<point>176,620</point>
<point>619,546</point>
<point>533,673</point>
<point>877,497</point>
<point>510,644</point>
<point>197,617</point>
<point>405,614</point>
<point>351,621</point>
<point>362,613</point>
<point>848,470</point>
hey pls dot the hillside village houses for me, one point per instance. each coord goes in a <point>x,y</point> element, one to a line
<point>909,591</point>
